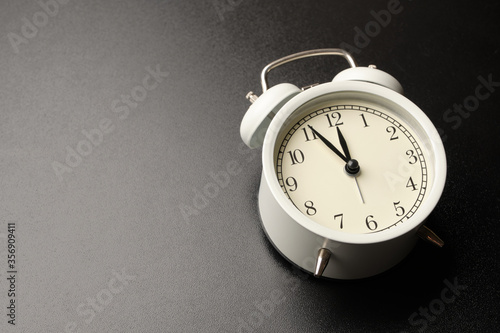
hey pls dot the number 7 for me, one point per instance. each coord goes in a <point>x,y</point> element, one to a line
<point>341,219</point>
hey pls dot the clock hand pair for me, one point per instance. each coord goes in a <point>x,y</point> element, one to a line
<point>352,166</point>
<point>329,144</point>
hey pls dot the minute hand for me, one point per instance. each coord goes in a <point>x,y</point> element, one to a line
<point>329,144</point>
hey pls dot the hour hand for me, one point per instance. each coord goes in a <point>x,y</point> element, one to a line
<point>343,144</point>
<point>329,144</point>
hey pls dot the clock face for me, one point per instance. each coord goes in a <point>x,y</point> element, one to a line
<point>352,166</point>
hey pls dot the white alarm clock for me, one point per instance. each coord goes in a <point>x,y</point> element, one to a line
<point>351,170</point>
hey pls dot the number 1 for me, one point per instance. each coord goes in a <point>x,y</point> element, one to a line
<point>364,120</point>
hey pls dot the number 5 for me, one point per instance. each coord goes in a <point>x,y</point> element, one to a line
<point>400,211</point>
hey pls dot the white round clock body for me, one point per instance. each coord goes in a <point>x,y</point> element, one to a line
<point>307,199</point>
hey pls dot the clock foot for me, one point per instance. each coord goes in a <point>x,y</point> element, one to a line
<point>429,236</point>
<point>322,261</point>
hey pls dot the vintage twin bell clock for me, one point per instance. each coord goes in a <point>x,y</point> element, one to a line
<point>351,170</point>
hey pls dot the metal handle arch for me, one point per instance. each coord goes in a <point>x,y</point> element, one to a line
<point>300,55</point>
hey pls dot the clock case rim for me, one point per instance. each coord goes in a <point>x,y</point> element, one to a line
<point>434,146</point>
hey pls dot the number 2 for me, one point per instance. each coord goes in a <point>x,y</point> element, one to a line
<point>392,130</point>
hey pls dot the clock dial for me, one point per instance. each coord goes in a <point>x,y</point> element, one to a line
<point>352,167</point>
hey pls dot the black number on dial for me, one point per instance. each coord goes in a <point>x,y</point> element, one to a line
<point>341,216</point>
<point>335,116</point>
<point>310,208</point>
<point>400,211</point>
<point>411,184</point>
<point>364,120</point>
<point>371,223</point>
<point>392,130</point>
<point>297,156</point>
<point>291,182</point>
<point>311,136</point>
<point>411,156</point>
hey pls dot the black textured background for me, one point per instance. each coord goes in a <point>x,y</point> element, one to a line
<point>212,270</point>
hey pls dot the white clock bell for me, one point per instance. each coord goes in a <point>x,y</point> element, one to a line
<point>351,170</point>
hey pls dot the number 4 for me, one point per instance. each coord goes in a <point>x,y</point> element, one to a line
<point>411,184</point>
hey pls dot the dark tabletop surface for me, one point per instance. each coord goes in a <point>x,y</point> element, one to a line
<point>116,115</point>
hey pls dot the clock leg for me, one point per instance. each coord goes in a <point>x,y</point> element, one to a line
<point>321,261</point>
<point>429,236</point>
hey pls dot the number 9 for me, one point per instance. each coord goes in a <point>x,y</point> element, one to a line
<point>291,182</point>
